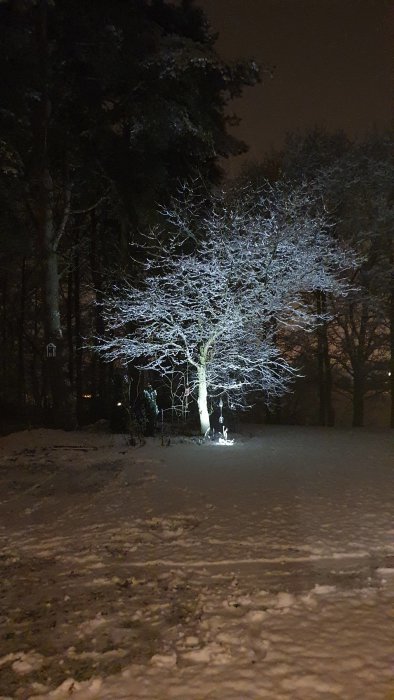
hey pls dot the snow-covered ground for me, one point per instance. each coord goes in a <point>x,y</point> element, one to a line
<point>197,572</point>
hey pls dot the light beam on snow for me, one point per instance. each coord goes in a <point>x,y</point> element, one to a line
<point>225,441</point>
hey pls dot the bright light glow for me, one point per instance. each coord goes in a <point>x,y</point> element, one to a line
<point>119,403</point>
<point>224,441</point>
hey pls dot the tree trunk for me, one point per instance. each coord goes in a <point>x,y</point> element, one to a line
<point>326,412</point>
<point>330,416</point>
<point>49,233</point>
<point>70,335</point>
<point>4,335</point>
<point>203,397</point>
<point>273,412</point>
<point>21,334</point>
<point>51,270</point>
<point>392,366</point>
<point>392,343</point>
<point>359,369</point>
<point>100,370</point>
<point>358,399</point>
<point>36,371</point>
<point>321,381</point>
<point>78,336</point>
<point>59,393</point>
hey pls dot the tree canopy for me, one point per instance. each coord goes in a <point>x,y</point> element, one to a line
<point>217,309</point>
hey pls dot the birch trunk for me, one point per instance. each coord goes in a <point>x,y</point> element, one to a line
<point>203,397</point>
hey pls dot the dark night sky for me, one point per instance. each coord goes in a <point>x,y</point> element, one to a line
<point>333,58</point>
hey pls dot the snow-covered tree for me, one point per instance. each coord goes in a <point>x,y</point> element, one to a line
<point>218,307</point>
<point>362,338</point>
<point>354,353</point>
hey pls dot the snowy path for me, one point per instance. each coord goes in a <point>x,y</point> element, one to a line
<point>262,570</point>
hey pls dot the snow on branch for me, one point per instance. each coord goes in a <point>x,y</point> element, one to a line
<point>218,308</point>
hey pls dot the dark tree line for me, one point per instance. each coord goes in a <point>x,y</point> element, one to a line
<point>105,107</point>
<point>352,354</point>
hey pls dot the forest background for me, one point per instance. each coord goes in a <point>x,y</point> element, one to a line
<point>106,110</point>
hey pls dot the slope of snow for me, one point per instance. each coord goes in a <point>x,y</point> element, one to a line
<point>193,572</point>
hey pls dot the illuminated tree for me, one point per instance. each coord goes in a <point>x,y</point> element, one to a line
<point>218,308</point>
